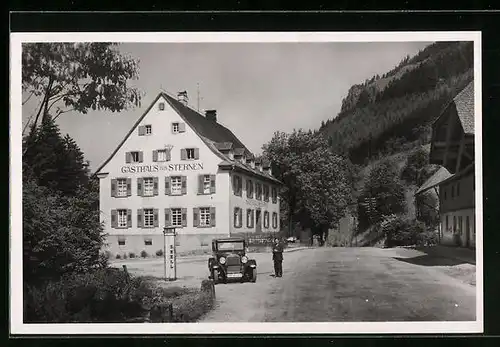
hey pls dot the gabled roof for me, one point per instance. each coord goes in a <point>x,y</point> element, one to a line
<point>439,176</point>
<point>216,136</point>
<point>464,103</point>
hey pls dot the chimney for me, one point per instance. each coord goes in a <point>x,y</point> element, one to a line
<point>211,115</point>
<point>183,97</point>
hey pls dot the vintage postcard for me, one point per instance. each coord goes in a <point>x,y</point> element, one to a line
<point>277,183</point>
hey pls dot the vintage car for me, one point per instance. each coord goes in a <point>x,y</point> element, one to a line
<point>229,261</point>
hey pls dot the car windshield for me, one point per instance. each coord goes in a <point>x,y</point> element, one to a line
<point>230,246</point>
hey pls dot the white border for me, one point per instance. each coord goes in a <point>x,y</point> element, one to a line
<point>16,280</point>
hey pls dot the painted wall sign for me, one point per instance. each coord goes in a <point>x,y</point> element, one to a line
<point>158,168</point>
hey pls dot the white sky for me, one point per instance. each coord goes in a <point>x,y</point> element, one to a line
<point>256,88</point>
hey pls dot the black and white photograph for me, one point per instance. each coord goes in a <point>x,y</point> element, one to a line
<point>183,183</point>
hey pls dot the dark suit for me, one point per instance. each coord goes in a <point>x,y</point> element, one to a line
<point>278,260</point>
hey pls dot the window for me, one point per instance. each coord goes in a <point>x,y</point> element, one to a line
<point>274,195</point>
<point>237,217</point>
<point>176,182</point>
<point>135,157</point>
<point>121,185</point>
<point>148,218</point>
<point>275,220</point>
<point>207,182</point>
<point>266,219</point>
<point>454,224</point>
<point>204,216</point>
<point>249,189</point>
<point>176,214</point>
<point>148,129</point>
<point>447,225</point>
<point>190,153</point>
<point>237,186</point>
<point>161,106</point>
<point>162,155</point>
<point>460,225</point>
<point>266,192</point>
<point>258,191</point>
<point>458,189</point>
<point>148,186</point>
<point>249,218</point>
<point>444,193</point>
<point>121,242</point>
<point>122,218</point>
<point>148,242</point>
<point>175,128</point>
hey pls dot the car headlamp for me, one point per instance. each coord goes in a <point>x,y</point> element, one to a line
<point>222,260</point>
<point>244,259</point>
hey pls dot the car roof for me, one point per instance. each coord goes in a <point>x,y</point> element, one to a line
<point>229,239</point>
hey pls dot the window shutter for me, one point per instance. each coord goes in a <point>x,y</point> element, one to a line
<point>155,218</point>
<point>183,184</point>
<point>200,184</point>
<point>155,186</point>
<point>129,186</point>
<point>168,154</point>
<point>168,190</point>
<point>113,187</point>
<point>196,217</point>
<point>196,153</point>
<point>240,213</point>
<point>129,218</point>
<point>183,154</point>
<point>141,157</point>
<point>252,219</point>
<point>167,217</point>
<point>182,127</point>
<point>235,217</point>
<point>139,218</point>
<point>155,155</point>
<point>212,216</point>
<point>114,219</point>
<point>142,130</point>
<point>139,186</point>
<point>128,157</point>
<point>212,184</point>
<point>184,217</point>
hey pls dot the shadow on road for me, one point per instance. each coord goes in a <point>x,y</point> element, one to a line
<point>430,260</point>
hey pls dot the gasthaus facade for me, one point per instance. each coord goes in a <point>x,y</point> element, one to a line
<point>179,168</point>
<point>452,147</point>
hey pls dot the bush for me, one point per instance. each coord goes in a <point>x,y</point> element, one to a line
<point>428,238</point>
<point>118,256</point>
<point>131,255</point>
<point>159,253</point>
<point>402,231</point>
<point>144,254</point>
<point>125,256</point>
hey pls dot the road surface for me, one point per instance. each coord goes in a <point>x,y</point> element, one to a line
<point>346,284</point>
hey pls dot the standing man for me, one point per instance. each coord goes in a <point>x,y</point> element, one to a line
<point>278,258</point>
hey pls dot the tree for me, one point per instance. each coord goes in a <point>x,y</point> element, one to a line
<point>316,181</point>
<point>383,192</point>
<point>55,162</point>
<point>77,76</point>
<point>415,163</point>
<point>60,234</point>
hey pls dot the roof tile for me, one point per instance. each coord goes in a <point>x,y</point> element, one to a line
<point>464,103</point>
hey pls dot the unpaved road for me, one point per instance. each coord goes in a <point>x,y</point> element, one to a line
<point>345,284</point>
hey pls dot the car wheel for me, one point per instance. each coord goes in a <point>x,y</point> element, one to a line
<point>254,275</point>
<point>215,277</point>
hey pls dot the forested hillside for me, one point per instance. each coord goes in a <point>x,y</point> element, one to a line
<point>394,112</point>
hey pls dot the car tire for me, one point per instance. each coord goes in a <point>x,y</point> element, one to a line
<point>254,275</point>
<point>215,277</point>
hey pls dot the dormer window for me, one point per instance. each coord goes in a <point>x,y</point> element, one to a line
<point>161,106</point>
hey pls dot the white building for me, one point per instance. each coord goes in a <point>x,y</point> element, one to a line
<point>177,167</point>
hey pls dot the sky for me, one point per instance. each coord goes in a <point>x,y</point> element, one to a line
<point>256,88</point>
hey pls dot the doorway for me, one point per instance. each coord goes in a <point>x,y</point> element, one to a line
<point>258,223</point>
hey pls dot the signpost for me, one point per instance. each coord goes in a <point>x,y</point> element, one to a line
<point>169,254</point>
